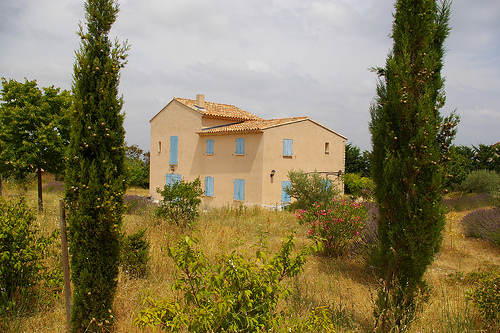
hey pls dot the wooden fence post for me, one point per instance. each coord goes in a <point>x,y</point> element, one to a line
<point>65,264</point>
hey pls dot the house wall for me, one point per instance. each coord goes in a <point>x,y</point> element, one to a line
<point>174,119</point>
<point>308,155</point>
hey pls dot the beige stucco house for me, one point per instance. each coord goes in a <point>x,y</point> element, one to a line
<point>239,157</point>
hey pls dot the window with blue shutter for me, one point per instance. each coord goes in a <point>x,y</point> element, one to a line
<point>284,196</point>
<point>240,146</point>
<point>239,189</point>
<point>287,147</point>
<point>210,147</point>
<point>171,178</point>
<point>174,149</point>
<point>209,186</point>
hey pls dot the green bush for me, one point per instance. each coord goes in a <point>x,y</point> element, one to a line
<point>358,186</point>
<point>481,181</point>
<point>135,254</point>
<point>308,189</point>
<point>486,294</point>
<point>234,294</point>
<point>334,225</point>
<point>180,201</point>
<point>24,274</point>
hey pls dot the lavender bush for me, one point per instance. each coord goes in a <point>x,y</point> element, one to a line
<point>485,224</point>
<point>467,202</point>
<point>136,204</point>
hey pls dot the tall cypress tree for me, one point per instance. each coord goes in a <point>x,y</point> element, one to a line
<point>410,142</point>
<point>95,181</point>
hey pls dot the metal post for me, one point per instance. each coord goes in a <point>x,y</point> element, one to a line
<point>65,264</point>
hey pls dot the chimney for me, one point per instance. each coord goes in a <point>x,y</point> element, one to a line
<point>200,101</point>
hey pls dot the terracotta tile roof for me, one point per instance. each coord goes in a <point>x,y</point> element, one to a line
<point>250,126</point>
<point>218,110</point>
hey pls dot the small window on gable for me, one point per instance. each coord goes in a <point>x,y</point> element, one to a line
<point>287,147</point>
<point>209,186</point>
<point>240,146</point>
<point>159,146</point>
<point>210,147</point>
<point>327,147</point>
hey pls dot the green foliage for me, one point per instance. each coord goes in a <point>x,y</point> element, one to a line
<point>308,189</point>
<point>138,167</point>
<point>34,127</point>
<point>24,273</point>
<point>410,142</point>
<point>180,201</point>
<point>459,167</point>
<point>319,320</point>
<point>334,225</point>
<point>481,181</point>
<point>487,157</point>
<point>357,162</point>
<point>135,254</point>
<point>234,294</point>
<point>486,294</point>
<point>358,186</point>
<point>95,174</point>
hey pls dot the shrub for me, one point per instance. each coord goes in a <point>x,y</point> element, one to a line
<point>467,202</point>
<point>486,294</point>
<point>135,254</point>
<point>358,186</point>
<point>22,257</point>
<point>180,201</point>
<point>483,223</point>
<point>308,189</point>
<point>54,186</point>
<point>481,181</point>
<point>334,225</point>
<point>234,294</point>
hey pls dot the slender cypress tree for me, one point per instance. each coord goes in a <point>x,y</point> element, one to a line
<point>95,181</point>
<point>410,143</point>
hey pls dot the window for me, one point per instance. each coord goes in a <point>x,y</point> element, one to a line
<point>327,147</point>
<point>239,189</point>
<point>287,147</point>
<point>240,146</point>
<point>171,178</point>
<point>210,147</point>
<point>209,186</point>
<point>174,143</point>
<point>159,146</point>
<point>284,196</point>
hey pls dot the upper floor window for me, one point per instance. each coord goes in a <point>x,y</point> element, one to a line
<point>327,147</point>
<point>240,146</point>
<point>210,147</point>
<point>174,149</point>
<point>287,147</point>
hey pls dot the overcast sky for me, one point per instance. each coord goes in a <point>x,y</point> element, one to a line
<point>274,58</point>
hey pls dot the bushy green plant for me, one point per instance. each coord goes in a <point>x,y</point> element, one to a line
<point>486,294</point>
<point>358,186</point>
<point>334,225</point>
<point>318,320</point>
<point>180,201</point>
<point>308,189</point>
<point>23,251</point>
<point>234,294</point>
<point>135,254</point>
<point>481,181</point>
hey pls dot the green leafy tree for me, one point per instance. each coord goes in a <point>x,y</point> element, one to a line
<point>357,162</point>
<point>95,173</point>
<point>459,167</point>
<point>410,142</point>
<point>308,189</point>
<point>34,130</point>
<point>138,166</point>
<point>487,157</point>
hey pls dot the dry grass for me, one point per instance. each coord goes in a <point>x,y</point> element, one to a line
<point>346,286</point>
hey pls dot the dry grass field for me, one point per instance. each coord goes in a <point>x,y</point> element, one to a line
<point>345,285</point>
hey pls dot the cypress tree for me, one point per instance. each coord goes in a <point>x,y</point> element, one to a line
<point>95,181</point>
<point>410,142</point>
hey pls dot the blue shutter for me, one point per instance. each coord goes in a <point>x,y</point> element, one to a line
<point>174,148</point>
<point>284,185</point>
<point>171,178</point>
<point>210,147</point>
<point>240,146</point>
<point>209,186</point>
<point>287,147</point>
<point>239,189</point>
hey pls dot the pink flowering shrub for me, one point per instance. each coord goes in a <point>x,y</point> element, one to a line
<point>336,225</point>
